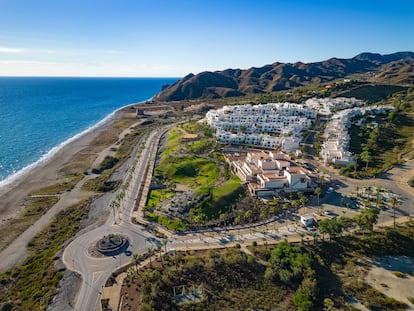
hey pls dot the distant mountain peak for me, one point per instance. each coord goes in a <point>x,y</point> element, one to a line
<point>275,77</point>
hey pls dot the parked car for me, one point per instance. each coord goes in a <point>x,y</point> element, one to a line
<point>329,190</point>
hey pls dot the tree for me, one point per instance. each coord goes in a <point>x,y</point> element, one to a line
<point>318,192</point>
<point>275,201</point>
<point>356,157</point>
<point>150,253</point>
<point>367,219</point>
<point>346,223</point>
<point>159,250</point>
<point>378,196</point>
<point>286,207</point>
<point>165,242</point>
<point>288,262</point>
<point>295,204</point>
<point>248,215</point>
<point>366,157</point>
<point>223,218</point>
<point>394,202</point>
<point>323,227</point>
<point>264,212</point>
<point>131,273</point>
<point>136,260</point>
<point>333,227</point>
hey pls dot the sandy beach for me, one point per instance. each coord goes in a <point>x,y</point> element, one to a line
<point>48,172</point>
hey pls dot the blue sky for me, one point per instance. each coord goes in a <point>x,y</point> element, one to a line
<point>174,37</point>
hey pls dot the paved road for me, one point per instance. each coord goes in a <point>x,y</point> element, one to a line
<point>95,271</point>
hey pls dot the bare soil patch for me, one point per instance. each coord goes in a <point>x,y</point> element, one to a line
<point>393,276</point>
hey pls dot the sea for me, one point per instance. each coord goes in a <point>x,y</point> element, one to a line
<point>38,115</point>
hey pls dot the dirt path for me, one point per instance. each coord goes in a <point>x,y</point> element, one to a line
<point>16,252</point>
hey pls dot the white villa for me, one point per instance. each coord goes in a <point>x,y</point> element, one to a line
<point>273,125</point>
<point>268,173</point>
<point>327,106</point>
<point>336,137</point>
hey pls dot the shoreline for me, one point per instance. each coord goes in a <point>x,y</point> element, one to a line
<point>15,188</point>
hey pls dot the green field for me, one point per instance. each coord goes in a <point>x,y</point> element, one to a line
<point>156,196</point>
<point>188,170</point>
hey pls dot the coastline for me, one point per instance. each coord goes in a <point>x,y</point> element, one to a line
<point>15,188</point>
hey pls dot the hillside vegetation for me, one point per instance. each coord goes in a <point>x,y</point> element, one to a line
<point>315,275</point>
<point>388,69</point>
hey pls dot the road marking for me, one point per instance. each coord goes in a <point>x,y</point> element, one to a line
<point>95,275</point>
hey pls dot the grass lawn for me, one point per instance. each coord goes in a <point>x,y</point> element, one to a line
<point>199,146</point>
<point>172,224</point>
<point>191,127</point>
<point>189,170</point>
<point>156,196</point>
<point>172,144</point>
<point>222,196</point>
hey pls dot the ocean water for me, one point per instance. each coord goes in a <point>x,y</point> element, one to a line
<point>39,114</point>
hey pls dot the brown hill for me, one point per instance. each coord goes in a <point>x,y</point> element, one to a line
<point>282,76</point>
<point>397,72</point>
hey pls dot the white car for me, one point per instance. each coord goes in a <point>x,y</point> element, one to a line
<point>329,190</point>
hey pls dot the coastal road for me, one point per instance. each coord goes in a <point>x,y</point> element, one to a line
<point>95,270</point>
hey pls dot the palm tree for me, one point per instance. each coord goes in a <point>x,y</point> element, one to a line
<point>164,242</point>
<point>318,192</point>
<point>295,204</point>
<point>393,201</point>
<point>378,196</point>
<point>322,179</point>
<point>135,260</point>
<point>159,249</point>
<point>131,273</point>
<point>273,210</point>
<point>223,218</point>
<point>150,253</point>
<point>366,157</point>
<point>286,206</point>
<point>248,215</point>
<point>276,201</point>
<point>356,157</point>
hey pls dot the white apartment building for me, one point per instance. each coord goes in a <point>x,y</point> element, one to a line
<point>327,106</point>
<point>268,173</point>
<point>336,137</point>
<point>273,125</point>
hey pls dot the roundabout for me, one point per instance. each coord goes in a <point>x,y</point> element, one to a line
<point>110,244</point>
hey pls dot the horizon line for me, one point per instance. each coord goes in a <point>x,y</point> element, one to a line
<point>125,77</point>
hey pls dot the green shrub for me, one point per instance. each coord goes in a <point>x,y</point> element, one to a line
<point>107,163</point>
<point>399,274</point>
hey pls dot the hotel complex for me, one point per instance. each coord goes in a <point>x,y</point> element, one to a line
<point>270,173</point>
<point>274,125</point>
<point>279,126</point>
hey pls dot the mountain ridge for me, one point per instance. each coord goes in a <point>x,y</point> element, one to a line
<point>282,76</point>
